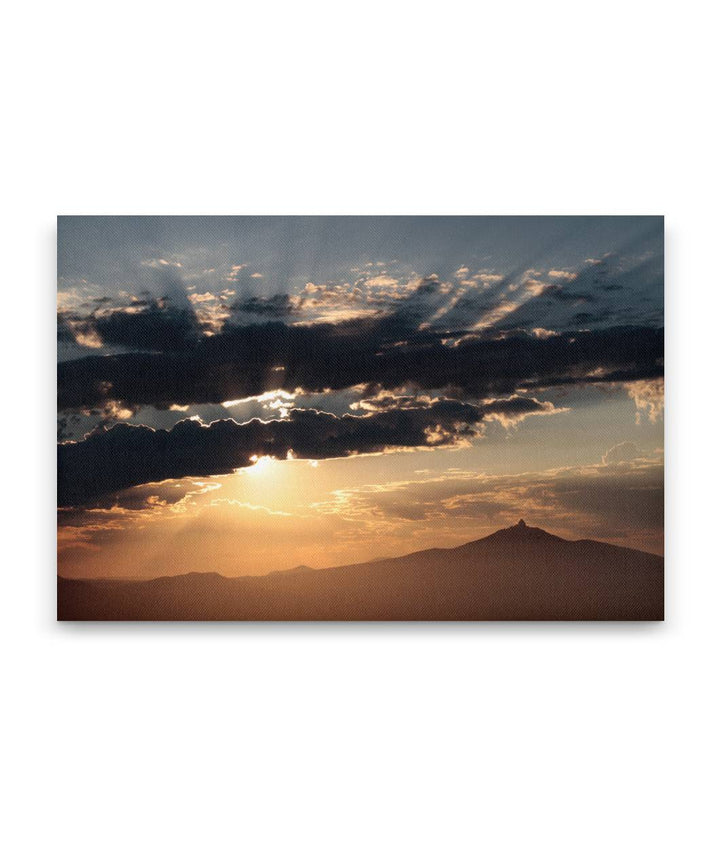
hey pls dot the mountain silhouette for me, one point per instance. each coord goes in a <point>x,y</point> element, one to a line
<point>518,573</point>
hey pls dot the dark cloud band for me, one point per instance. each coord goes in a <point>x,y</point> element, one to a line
<point>129,455</point>
<point>387,353</point>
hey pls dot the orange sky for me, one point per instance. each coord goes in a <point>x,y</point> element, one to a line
<point>279,514</point>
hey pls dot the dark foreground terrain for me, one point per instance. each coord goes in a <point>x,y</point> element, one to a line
<point>520,573</point>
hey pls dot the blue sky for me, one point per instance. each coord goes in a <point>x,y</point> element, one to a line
<point>290,251</point>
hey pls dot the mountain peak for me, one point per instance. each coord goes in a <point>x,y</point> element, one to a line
<point>521,533</point>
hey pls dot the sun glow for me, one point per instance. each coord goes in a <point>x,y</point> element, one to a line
<point>261,465</point>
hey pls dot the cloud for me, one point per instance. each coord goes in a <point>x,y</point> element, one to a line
<point>126,455</point>
<point>142,325</point>
<point>146,497</point>
<point>508,411</point>
<point>624,288</point>
<point>625,505</point>
<point>325,302</point>
<point>649,396</point>
<point>388,353</point>
<point>277,306</point>
<point>567,275</point>
<point>557,292</point>
<point>159,264</point>
<point>620,453</point>
<point>390,400</point>
<point>511,411</point>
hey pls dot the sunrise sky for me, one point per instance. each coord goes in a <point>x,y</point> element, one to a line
<point>247,394</point>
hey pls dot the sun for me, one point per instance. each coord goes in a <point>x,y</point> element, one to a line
<point>261,465</point>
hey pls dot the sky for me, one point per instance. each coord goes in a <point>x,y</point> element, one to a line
<point>248,394</point>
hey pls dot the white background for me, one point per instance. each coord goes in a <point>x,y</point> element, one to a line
<point>359,739</point>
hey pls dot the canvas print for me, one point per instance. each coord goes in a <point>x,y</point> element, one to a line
<point>360,418</point>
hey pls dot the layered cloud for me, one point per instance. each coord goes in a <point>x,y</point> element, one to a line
<point>388,353</point>
<point>621,500</point>
<point>126,455</point>
<point>508,411</point>
<point>402,360</point>
<point>612,289</point>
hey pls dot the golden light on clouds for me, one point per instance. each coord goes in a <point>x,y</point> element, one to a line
<point>281,513</point>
